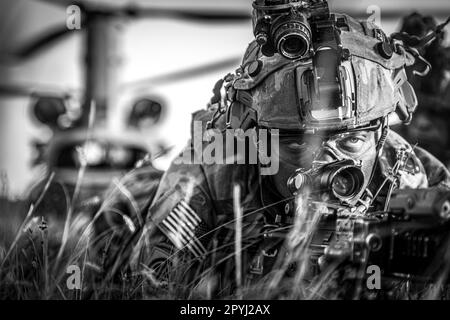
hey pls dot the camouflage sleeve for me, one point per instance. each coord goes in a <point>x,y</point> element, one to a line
<point>437,174</point>
<point>179,222</point>
<point>432,173</point>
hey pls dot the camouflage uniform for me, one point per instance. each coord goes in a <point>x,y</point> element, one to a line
<point>190,229</point>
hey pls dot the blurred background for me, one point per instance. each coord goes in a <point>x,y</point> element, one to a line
<point>156,60</point>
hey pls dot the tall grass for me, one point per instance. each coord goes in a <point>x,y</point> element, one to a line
<point>34,259</point>
<point>36,251</point>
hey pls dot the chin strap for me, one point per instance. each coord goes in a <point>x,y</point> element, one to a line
<point>384,134</point>
<point>367,197</point>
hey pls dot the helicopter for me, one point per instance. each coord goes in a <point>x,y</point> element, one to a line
<point>86,152</point>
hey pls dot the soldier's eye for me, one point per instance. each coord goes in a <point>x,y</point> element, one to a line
<point>352,143</point>
<point>300,145</point>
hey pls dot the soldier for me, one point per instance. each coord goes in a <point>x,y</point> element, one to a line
<point>332,107</point>
<point>429,126</point>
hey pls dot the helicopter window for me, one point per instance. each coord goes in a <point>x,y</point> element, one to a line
<point>100,156</point>
<point>144,113</point>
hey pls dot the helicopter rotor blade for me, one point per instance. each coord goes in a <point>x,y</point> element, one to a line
<point>134,10</point>
<point>26,90</point>
<point>58,33</point>
<point>190,15</point>
<point>186,73</point>
<point>51,36</point>
<point>15,90</point>
<point>34,89</point>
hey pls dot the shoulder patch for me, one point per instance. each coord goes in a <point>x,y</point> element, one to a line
<point>183,227</point>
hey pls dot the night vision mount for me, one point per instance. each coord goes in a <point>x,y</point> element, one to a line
<point>288,27</point>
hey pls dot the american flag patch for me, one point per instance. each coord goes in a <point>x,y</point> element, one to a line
<point>181,226</point>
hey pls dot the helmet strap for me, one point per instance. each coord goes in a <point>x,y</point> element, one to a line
<point>383,137</point>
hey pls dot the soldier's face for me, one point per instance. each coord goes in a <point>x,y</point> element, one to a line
<point>299,151</point>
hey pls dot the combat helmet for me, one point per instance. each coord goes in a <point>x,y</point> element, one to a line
<point>351,82</point>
